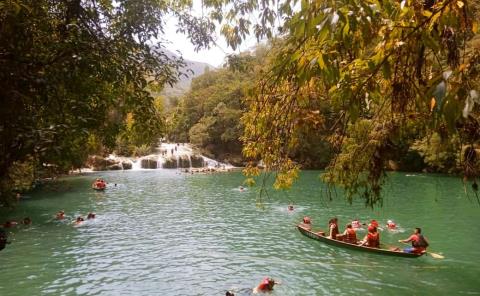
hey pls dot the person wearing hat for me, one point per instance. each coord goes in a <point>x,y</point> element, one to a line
<point>372,239</point>
<point>265,286</point>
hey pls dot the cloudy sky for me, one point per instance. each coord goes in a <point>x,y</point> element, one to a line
<point>214,56</point>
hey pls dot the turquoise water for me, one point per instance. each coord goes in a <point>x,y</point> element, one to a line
<point>163,233</point>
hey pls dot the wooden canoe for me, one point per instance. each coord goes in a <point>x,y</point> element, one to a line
<point>342,244</point>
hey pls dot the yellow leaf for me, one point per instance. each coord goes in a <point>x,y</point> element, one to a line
<point>475,27</point>
<point>460,4</point>
<point>427,13</point>
<point>432,104</point>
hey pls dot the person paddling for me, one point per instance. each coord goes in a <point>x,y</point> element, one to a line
<point>419,242</point>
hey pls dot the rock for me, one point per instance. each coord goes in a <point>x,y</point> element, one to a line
<point>197,161</point>
<point>170,163</point>
<point>184,161</point>
<point>99,163</point>
<point>148,163</point>
<point>115,167</point>
<point>127,165</point>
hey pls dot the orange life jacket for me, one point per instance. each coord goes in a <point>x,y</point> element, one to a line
<point>373,240</point>
<point>351,235</point>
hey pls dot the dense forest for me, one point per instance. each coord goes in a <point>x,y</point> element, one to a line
<point>353,86</point>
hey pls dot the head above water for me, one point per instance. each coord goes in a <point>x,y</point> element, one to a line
<point>307,220</point>
<point>269,282</point>
<point>27,221</point>
<point>91,216</point>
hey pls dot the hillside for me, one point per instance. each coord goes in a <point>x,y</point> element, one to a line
<point>192,70</point>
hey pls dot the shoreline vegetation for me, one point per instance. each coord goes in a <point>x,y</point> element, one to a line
<point>346,87</point>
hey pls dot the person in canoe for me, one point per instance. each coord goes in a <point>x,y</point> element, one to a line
<point>333,228</point>
<point>265,286</point>
<point>419,242</point>
<point>372,239</point>
<point>349,235</point>
<point>306,223</point>
<point>374,223</point>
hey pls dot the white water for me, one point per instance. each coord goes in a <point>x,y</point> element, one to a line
<point>171,150</point>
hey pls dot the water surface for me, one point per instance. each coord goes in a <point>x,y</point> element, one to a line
<point>159,232</point>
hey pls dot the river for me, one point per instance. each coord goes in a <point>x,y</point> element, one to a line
<point>159,232</point>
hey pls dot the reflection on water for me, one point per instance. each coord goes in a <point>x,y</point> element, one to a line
<point>161,233</point>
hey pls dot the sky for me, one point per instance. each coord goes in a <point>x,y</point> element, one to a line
<point>214,56</point>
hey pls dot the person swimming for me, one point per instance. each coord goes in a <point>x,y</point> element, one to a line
<point>60,215</point>
<point>265,286</point>
<point>79,220</point>
<point>90,216</point>
<point>356,224</point>
<point>391,225</point>
<point>290,207</point>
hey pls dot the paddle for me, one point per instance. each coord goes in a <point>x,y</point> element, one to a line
<point>434,255</point>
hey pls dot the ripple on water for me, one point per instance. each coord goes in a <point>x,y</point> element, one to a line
<point>160,233</point>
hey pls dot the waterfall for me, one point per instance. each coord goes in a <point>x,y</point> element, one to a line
<point>166,155</point>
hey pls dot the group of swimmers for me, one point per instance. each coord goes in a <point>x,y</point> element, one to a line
<point>372,238</point>
<point>12,223</point>
<point>79,220</point>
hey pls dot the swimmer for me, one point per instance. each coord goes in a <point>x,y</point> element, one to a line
<point>290,207</point>
<point>27,221</point>
<point>90,216</point>
<point>9,224</point>
<point>241,188</point>
<point>79,220</point>
<point>391,225</point>
<point>265,286</point>
<point>60,215</point>
<point>356,224</point>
